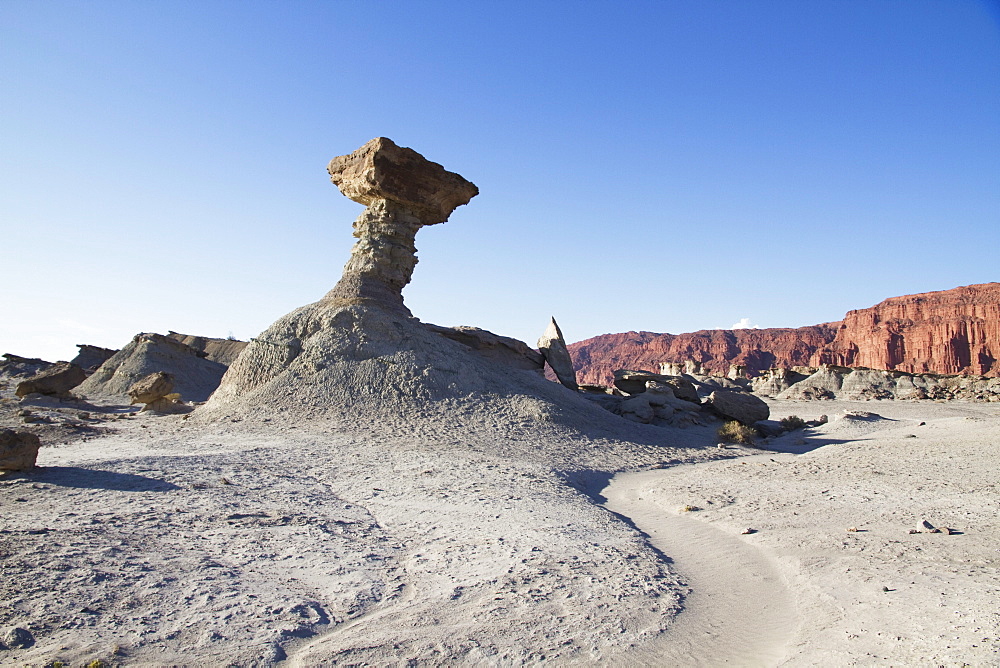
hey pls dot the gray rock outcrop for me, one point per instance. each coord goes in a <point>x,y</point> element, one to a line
<point>502,349</point>
<point>55,381</point>
<point>18,450</point>
<point>15,366</point>
<point>838,382</point>
<point>552,345</point>
<point>90,358</point>
<point>223,351</point>
<point>195,377</point>
<point>637,382</point>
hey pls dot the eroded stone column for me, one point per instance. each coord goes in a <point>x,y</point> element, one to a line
<point>403,191</point>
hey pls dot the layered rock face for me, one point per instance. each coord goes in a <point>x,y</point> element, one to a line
<point>952,332</point>
<point>223,351</point>
<point>715,350</point>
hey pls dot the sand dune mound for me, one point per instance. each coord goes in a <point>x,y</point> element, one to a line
<point>195,377</point>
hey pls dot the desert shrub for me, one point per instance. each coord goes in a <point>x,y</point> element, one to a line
<point>792,422</point>
<point>734,432</point>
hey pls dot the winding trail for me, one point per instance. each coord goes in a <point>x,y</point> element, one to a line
<point>740,612</point>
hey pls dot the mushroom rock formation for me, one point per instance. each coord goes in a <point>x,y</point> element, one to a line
<point>358,360</point>
<point>402,191</point>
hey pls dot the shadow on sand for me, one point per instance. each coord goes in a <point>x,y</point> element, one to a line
<point>83,478</point>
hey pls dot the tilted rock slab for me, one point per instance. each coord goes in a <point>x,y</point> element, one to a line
<point>552,345</point>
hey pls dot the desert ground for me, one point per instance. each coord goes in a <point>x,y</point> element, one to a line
<point>164,540</point>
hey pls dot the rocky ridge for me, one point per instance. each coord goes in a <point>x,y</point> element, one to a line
<point>948,332</point>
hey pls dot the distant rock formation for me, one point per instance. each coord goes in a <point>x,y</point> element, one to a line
<point>223,351</point>
<point>91,357</point>
<point>195,376</point>
<point>14,366</point>
<point>951,332</point>
<point>715,350</point>
<point>837,382</point>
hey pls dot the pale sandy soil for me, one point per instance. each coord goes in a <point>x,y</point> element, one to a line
<point>172,543</point>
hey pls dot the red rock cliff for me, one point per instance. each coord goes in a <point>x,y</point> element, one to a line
<point>596,359</point>
<point>953,331</point>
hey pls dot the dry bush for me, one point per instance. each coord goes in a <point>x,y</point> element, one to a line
<point>792,422</point>
<point>734,432</point>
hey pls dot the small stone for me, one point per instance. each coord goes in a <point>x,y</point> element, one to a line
<point>928,527</point>
<point>83,416</point>
<point>18,638</point>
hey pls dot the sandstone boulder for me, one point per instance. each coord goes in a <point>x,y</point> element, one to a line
<point>740,406</point>
<point>56,381</point>
<point>149,388</point>
<point>18,450</point>
<point>552,345</point>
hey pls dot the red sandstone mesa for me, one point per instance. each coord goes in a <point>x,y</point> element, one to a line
<point>952,332</point>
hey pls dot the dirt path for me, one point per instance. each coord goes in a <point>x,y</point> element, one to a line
<point>739,612</point>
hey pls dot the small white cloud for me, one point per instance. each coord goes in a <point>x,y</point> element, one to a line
<point>744,323</point>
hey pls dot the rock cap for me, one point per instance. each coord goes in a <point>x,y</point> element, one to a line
<point>382,170</point>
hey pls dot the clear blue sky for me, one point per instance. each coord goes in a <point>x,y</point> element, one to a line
<point>663,166</point>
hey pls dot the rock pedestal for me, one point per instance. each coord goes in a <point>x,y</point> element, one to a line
<point>403,191</point>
